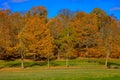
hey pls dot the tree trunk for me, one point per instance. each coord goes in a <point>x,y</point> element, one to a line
<point>67,64</point>
<point>108,50</point>
<point>22,55</point>
<point>58,56</point>
<point>67,61</point>
<point>107,57</point>
<point>86,51</point>
<point>22,60</point>
<point>34,57</point>
<point>48,62</point>
<point>67,58</point>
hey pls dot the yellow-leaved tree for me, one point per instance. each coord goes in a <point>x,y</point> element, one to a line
<point>35,37</point>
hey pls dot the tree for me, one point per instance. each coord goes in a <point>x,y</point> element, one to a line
<point>116,41</point>
<point>85,30</point>
<point>65,17</point>
<point>5,41</point>
<point>100,17</point>
<point>67,43</point>
<point>105,24</point>
<point>66,12</point>
<point>36,37</point>
<point>56,27</point>
<point>38,10</point>
<point>107,36</point>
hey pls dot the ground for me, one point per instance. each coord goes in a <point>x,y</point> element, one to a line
<point>78,70</point>
<point>60,74</point>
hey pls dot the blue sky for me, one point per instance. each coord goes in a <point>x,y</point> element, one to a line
<point>53,6</point>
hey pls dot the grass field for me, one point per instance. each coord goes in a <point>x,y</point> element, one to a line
<point>60,74</point>
<point>79,69</point>
<point>91,63</point>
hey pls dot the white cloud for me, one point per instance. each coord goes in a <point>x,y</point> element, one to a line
<point>5,4</point>
<point>18,1</point>
<point>115,9</point>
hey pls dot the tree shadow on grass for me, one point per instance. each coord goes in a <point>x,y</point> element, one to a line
<point>1,67</point>
<point>54,64</point>
<point>31,64</point>
<point>110,65</point>
<point>9,64</point>
<point>26,64</point>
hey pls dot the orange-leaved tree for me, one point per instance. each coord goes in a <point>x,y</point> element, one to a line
<point>35,37</point>
<point>85,30</point>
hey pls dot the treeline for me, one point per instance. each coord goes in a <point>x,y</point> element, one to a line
<point>68,35</point>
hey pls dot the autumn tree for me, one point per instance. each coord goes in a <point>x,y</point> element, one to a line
<point>56,27</point>
<point>85,30</point>
<point>111,38</point>
<point>5,40</point>
<point>106,25</point>
<point>68,13</point>
<point>68,35</point>
<point>100,17</point>
<point>17,23</point>
<point>66,38</point>
<point>36,37</point>
<point>115,44</point>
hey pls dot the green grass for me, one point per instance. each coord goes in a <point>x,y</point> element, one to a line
<point>61,74</point>
<point>55,63</point>
<point>79,69</point>
<point>83,63</point>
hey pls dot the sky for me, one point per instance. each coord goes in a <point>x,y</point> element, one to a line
<point>54,6</point>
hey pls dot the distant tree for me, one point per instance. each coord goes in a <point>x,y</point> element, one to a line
<point>66,12</point>
<point>38,10</point>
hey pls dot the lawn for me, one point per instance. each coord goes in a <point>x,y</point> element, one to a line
<point>60,74</point>
<point>82,62</point>
<point>79,69</point>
